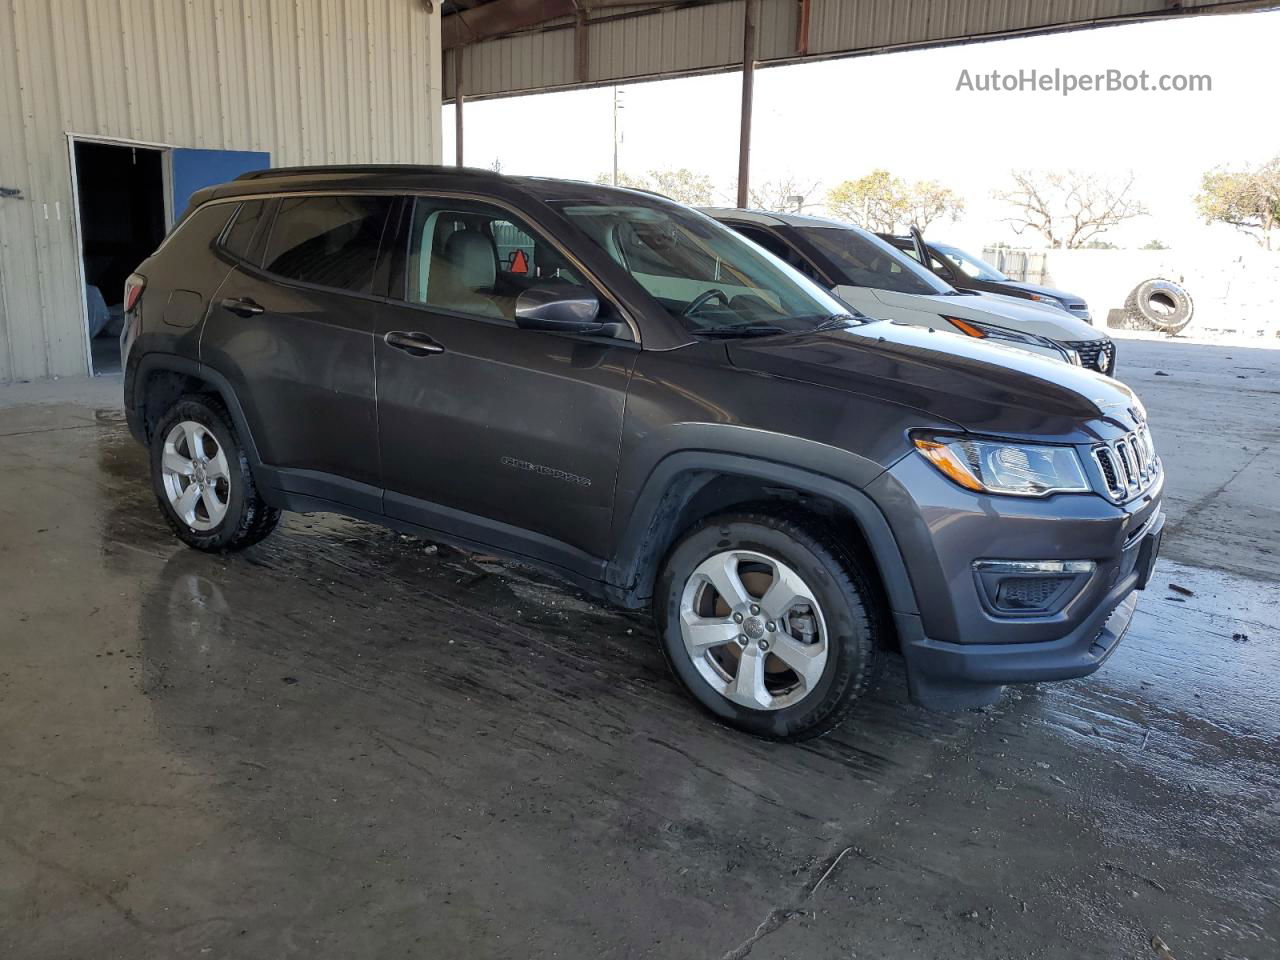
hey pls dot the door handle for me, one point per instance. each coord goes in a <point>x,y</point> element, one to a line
<point>412,342</point>
<point>243,306</point>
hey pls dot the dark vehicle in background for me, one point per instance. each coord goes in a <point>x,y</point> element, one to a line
<point>619,390</point>
<point>965,271</point>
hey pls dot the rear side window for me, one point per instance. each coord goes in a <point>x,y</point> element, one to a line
<point>329,241</point>
<point>202,227</point>
<point>240,236</point>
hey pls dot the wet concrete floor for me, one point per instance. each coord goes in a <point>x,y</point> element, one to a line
<point>346,743</point>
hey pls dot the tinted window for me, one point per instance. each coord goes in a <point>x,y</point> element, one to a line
<point>240,236</point>
<point>469,257</point>
<point>779,248</point>
<point>867,261</point>
<point>331,241</point>
<point>701,272</point>
<point>767,240</point>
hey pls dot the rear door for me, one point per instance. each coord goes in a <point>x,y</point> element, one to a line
<point>292,328</point>
<point>490,432</point>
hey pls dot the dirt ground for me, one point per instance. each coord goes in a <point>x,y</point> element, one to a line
<point>347,743</point>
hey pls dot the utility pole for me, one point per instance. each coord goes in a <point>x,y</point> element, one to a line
<point>617,105</point>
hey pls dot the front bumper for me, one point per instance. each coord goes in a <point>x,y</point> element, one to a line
<point>959,653</point>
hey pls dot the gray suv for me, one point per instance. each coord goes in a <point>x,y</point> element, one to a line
<point>618,389</point>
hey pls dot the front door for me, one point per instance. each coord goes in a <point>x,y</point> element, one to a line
<point>292,327</point>
<point>490,432</point>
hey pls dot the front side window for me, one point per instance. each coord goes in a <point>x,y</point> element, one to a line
<point>469,257</point>
<point>975,267</point>
<point>329,241</point>
<point>866,261</point>
<point>701,272</point>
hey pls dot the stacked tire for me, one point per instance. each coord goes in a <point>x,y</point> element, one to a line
<point>1158,304</point>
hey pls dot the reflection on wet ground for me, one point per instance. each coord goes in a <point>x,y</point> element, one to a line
<point>349,743</point>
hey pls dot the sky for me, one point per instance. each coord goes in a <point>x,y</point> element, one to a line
<point>840,119</point>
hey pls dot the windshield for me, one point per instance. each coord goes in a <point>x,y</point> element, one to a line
<point>867,261</point>
<point>971,265</point>
<point>703,274</point>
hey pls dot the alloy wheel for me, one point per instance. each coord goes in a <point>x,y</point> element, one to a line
<point>753,629</point>
<point>195,475</point>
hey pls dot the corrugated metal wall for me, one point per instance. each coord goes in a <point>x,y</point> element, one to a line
<point>310,81</point>
<point>628,44</point>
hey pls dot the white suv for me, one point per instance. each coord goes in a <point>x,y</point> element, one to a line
<point>883,282</point>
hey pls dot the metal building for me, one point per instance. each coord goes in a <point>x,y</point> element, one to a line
<point>102,103</point>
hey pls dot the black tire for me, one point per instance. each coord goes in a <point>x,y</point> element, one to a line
<point>1159,304</point>
<point>248,517</point>
<point>841,586</point>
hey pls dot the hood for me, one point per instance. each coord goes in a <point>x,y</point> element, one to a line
<point>1013,312</point>
<point>981,387</point>
<point>1046,291</point>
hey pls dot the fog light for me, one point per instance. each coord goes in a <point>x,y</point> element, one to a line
<point>1030,587</point>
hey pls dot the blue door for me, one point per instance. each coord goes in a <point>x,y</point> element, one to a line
<point>196,169</point>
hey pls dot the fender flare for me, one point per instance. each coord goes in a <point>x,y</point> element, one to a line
<point>680,475</point>
<point>152,363</point>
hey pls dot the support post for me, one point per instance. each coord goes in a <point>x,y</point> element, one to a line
<point>458,99</point>
<point>582,50</point>
<point>748,80</point>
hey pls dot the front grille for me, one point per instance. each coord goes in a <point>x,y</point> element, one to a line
<point>1129,465</point>
<point>1097,355</point>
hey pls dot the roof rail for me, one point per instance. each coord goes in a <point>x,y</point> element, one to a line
<point>274,173</point>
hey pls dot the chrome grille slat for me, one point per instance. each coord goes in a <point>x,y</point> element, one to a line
<point>1128,464</point>
<point>1094,354</point>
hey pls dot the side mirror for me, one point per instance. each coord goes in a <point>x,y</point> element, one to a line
<point>565,307</point>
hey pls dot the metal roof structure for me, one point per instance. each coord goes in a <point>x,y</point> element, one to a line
<point>498,48</point>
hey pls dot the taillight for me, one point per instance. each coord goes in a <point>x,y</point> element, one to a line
<point>133,288</point>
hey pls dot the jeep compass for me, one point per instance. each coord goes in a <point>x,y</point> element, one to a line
<point>620,390</point>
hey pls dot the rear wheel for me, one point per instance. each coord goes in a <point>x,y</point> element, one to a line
<point>202,479</point>
<point>768,625</point>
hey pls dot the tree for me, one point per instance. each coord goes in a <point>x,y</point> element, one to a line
<point>874,202</point>
<point>784,195</point>
<point>1069,208</point>
<point>885,203</point>
<point>928,200</point>
<point>1248,200</point>
<point>682,185</point>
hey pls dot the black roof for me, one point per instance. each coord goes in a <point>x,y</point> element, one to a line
<point>415,176</point>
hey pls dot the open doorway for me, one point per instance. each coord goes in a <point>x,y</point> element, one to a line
<point>120,198</point>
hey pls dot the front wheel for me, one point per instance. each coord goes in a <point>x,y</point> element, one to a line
<point>768,624</point>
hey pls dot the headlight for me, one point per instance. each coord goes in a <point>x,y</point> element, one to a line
<point>989,331</point>
<point>1048,301</point>
<point>998,466</point>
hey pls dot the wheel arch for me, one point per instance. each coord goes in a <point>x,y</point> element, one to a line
<point>687,486</point>
<point>158,381</point>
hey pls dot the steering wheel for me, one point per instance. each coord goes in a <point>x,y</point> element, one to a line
<point>703,299</point>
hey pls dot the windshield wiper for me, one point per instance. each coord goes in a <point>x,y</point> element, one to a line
<point>742,330</point>
<point>838,321</point>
